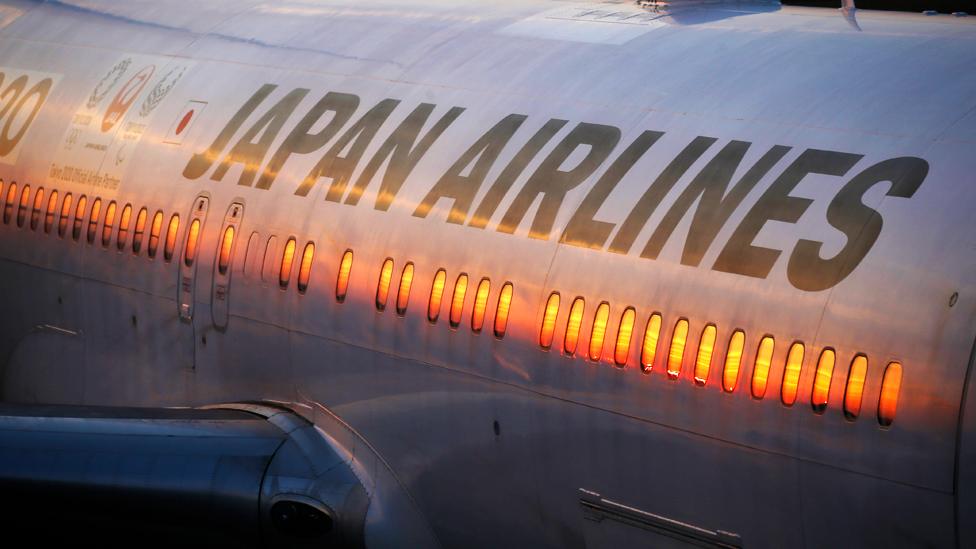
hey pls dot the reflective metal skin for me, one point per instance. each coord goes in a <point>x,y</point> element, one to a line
<point>776,181</point>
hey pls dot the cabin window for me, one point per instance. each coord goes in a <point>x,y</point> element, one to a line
<point>171,233</point>
<point>36,211</point>
<point>52,206</point>
<point>549,321</point>
<point>791,374</point>
<point>140,230</point>
<point>480,305</point>
<point>733,361</point>
<point>342,280</point>
<point>305,267</point>
<point>676,354</point>
<point>155,230</point>
<point>24,203</point>
<point>79,219</point>
<point>287,260</point>
<point>652,333</point>
<point>383,285</point>
<point>599,331</point>
<point>108,224</point>
<point>855,387</point>
<point>457,300</point>
<point>8,206</point>
<point>502,309</point>
<point>821,381</point>
<point>192,238</point>
<point>573,325</point>
<point>436,295</point>
<point>760,372</point>
<point>403,292</point>
<point>890,387</point>
<point>96,210</point>
<point>703,362</point>
<point>124,221</point>
<point>625,332</point>
<point>226,247</point>
<point>65,215</point>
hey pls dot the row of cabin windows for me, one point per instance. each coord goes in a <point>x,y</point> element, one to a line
<point>672,361</point>
<point>482,294</point>
<point>82,216</point>
<point>74,213</point>
<point>404,285</point>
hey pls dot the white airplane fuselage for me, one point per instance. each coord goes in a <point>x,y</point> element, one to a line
<point>769,172</point>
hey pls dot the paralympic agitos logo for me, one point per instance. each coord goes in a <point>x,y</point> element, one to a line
<point>712,189</point>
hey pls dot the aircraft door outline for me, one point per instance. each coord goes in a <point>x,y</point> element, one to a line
<point>196,222</point>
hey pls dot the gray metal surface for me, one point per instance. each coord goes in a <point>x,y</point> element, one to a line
<point>491,437</point>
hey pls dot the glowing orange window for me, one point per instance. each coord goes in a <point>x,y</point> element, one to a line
<point>403,292</point>
<point>480,305</point>
<point>549,321</point>
<point>760,372</point>
<point>383,285</point>
<point>192,239</point>
<point>140,230</point>
<point>108,224</point>
<point>52,206</point>
<point>652,333</point>
<point>677,353</point>
<point>171,232</point>
<point>155,230</point>
<point>573,324</point>
<point>890,386</point>
<point>342,279</point>
<point>791,373</point>
<point>821,381</point>
<point>8,206</point>
<point>502,309</point>
<point>436,294</point>
<point>287,261</point>
<point>65,215</point>
<point>625,333</point>
<point>305,267</point>
<point>703,362</point>
<point>36,211</point>
<point>226,250</point>
<point>96,209</point>
<point>79,219</point>
<point>855,387</point>
<point>24,203</point>
<point>599,331</point>
<point>733,361</point>
<point>457,300</point>
<point>124,220</point>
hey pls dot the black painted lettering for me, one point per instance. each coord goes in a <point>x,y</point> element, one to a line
<point>356,139</point>
<point>488,205</point>
<point>647,203</point>
<point>585,231</point>
<point>553,183</point>
<point>859,222</point>
<point>201,162</point>
<point>251,153</point>
<point>39,92</point>
<point>300,141</point>
<point>714,206</point>
<point>739,255</point>
<point>404,152</point>
<point>462,188</point>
